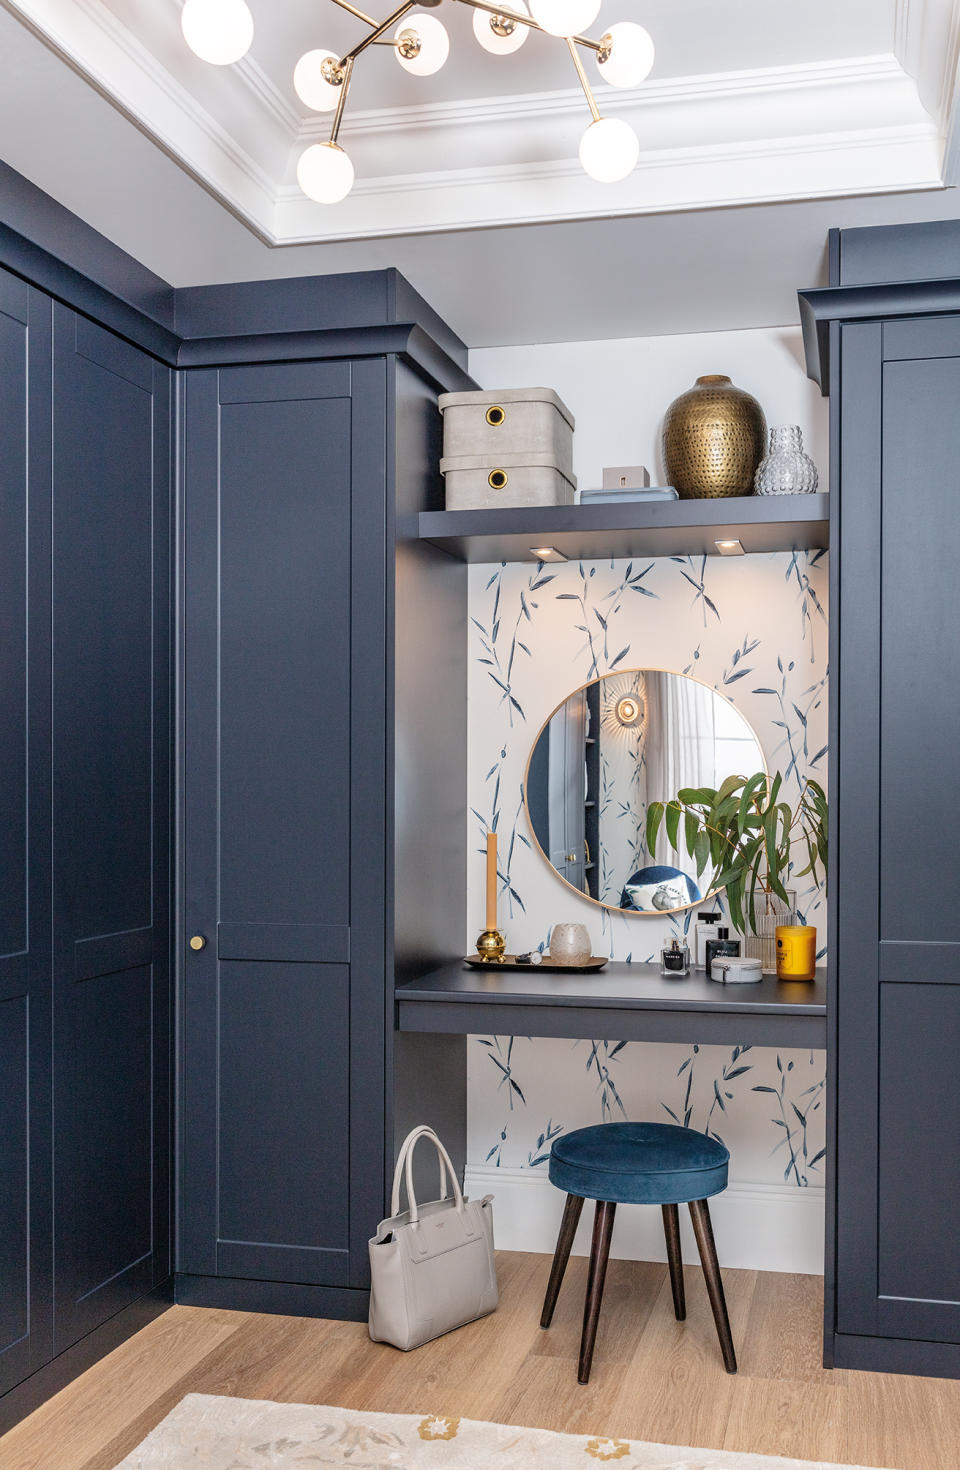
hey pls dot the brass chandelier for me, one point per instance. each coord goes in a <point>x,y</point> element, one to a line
<point>221,31</point>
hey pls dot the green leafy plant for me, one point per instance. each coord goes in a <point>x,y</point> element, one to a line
<point>747,835</point>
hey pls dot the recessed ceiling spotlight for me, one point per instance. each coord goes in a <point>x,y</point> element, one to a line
<point>547,553</point>
<point>729,548</point>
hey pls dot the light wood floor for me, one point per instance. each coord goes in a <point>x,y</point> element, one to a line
<point>653,1378</point>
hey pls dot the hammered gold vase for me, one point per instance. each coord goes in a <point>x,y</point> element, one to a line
<point>714,436</point>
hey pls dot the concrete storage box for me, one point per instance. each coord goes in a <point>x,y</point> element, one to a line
<point>480,481</point>
<point>530,421</point>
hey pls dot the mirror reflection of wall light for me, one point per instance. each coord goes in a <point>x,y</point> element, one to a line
<point>623,707</point>
<point>629,711</point>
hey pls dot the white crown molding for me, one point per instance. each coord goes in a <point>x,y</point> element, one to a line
<point>927,45</point>
<point>769,82</point>
<point>772,134</point>
<point>886,161</point>
<point>90,38</point>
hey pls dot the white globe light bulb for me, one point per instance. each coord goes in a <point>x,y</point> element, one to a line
<point>434,43</point>
<point>484,29</point>
<point>631,56</point>
<point>218,31</point>
<point>565,17</point>
<point>311,85</point>
<point>609,150</point>
<point>325,173</point>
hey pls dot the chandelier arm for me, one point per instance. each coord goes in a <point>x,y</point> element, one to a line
<point>591,100</point>
<point>523,20</point>
<point>360,15</point>
<point>384,26</point>
<point>342,99</point>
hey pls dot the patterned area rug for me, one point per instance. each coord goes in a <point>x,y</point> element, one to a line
<point>212,1433</point>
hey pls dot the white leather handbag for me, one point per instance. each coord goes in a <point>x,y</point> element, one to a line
<point>431,1266</point>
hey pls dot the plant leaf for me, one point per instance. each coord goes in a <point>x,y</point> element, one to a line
<point>654,818</point>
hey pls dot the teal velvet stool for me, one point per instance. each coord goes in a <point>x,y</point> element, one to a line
<point>638,1164</point>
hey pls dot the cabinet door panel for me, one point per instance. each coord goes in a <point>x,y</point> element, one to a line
<point>26,1240</point>
<point>284,661</point>
<point>111,793</point>
<point>283,1187</point>
<point>898,963</point>
<point>284,861</point>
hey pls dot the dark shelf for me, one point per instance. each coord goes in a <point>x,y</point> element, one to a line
<point>640,528</point>
<point>621,1003</point>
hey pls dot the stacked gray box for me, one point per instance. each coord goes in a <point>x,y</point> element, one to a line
<point>507,448</point>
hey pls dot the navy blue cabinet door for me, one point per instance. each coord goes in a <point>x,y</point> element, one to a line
<point>26,1319</point>
<point>898,966</point>
<point>111,720</point>
<point>283,825</point>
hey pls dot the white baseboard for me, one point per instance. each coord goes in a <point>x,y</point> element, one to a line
<point>758,1227</point>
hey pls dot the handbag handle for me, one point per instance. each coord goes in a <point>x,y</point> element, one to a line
<point>444,1160</point>
<point>405,1148</point>
<point>405,1168</point>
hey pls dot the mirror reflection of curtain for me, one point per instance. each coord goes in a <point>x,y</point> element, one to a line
<point>681,743</point>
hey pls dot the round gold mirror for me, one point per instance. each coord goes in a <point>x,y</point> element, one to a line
<point>612,747</point>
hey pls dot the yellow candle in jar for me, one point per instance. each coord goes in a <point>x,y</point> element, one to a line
<point>796,952</point>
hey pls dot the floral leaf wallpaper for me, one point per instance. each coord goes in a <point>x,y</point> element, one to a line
<point>755,629</point>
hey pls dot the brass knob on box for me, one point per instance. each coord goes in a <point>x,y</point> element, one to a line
<point>198,942</point>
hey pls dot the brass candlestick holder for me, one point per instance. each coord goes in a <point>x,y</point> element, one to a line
<point>491,946</point>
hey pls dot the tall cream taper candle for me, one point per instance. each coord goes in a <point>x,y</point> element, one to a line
<point>491,880</point>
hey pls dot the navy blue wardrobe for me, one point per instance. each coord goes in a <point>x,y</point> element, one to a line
<point>210,583</point>
<point>85,974</point>
<point>884,339</point>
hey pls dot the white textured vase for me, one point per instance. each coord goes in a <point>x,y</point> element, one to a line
<point>787,469</point>
<point>570,944</point>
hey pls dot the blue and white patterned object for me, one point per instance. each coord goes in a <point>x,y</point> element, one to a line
<point>659,890</point>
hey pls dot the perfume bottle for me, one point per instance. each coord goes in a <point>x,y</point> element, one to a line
<point>675,959</point>
<point>722,945</point>
<point>706,928</point>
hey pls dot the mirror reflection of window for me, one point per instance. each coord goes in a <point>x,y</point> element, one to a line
<point>605,753</point>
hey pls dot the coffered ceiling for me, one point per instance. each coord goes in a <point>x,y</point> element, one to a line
<point>754,107</point>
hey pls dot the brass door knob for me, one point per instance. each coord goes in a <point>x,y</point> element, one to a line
<point>197,941</point>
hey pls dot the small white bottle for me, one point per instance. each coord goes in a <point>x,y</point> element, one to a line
<point>707,927</point>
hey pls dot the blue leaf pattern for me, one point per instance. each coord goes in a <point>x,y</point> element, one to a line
<point>755,629</point>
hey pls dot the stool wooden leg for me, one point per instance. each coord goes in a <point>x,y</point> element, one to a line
<point>700,1214</point>
<point>568,1229</point>
<point>599,1252</point>
<point>671,1229</point>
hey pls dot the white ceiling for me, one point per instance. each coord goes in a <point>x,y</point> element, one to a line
<point>763,124</point>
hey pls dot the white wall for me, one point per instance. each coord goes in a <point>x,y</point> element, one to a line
<point>764,646</point>
<point>619,391</point>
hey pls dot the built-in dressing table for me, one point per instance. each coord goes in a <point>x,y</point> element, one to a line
<point>623,1002</point>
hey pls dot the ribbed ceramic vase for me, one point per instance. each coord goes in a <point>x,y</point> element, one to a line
<point>713,439</point>
<point>787,468</point>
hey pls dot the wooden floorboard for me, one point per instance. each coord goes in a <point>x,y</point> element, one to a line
<point>653,1377</point>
